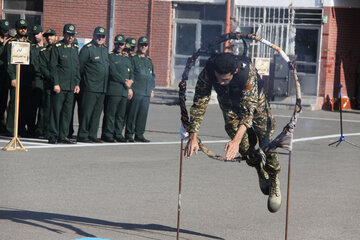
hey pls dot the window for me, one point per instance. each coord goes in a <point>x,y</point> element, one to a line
<point>30,10</point>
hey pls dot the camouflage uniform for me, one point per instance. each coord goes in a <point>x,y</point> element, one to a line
<point>242,102</point>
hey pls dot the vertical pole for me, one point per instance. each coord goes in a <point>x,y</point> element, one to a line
<point>227,23</point>
<point>17,100</point>
<point>288,198</point>
<point>179,196</point>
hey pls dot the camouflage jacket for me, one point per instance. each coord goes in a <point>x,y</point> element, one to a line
<point>243,101</point>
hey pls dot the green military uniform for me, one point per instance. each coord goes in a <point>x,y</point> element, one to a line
<point>94,69</point>
<point>64,71</point>
<point>4,82</point>
<point>117,94</point>
<point>242,102</point>
<point>36,111</point>
<point>44,60</point>
<point>144,83</point>
<point>26,79</point>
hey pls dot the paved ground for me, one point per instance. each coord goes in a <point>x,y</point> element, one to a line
<point>130,191</point>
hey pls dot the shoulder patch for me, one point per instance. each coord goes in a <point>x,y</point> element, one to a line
<point>75,45</point>
<point>89,45</point>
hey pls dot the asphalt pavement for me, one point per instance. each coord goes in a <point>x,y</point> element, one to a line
<point>130,190</point>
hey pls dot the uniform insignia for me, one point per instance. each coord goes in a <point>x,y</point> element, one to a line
<point>89,45</point>
<point>97,57</point>
<point>6,23</point>
<point>128,69</point>
<point>101,30</point>
<point>248,86</point>
<point>71,27</point>
<point>133,41</point>
<point>43,49</point>
<point>58,44</point>
<point>34,28</point>
<point>75,45</point>
<point>22,21</point>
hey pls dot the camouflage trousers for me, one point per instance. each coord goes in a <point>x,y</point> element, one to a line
<point>261,133</point>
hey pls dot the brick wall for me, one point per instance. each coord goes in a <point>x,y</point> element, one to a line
<point>132,18</point>
<point>340,55</point>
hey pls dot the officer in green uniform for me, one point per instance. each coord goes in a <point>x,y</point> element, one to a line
<point>44,60</point>
<point>94,70</point>
<point>246,113</point>
<point>26,79</point>
<point>36,111</point>
<point>4,82</point>
<point>144,83</point>
<point>120,81</point>
<point>65,79</point>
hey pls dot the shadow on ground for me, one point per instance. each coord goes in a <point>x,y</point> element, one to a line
<point>58,221</point>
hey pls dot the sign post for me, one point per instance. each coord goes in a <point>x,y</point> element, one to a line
<point>20,54</point>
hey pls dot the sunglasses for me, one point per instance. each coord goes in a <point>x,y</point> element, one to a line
<point>144,45</point>
<point>100,36</point>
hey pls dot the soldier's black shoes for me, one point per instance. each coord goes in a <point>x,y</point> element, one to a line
<point>95,140</point>
<point>52,140</point>
<point>66,141</point>
<point>123,140</point>
<point>108,139</point>
<point>142,140</point>
<point>84,140</point>
<point>129,139</point>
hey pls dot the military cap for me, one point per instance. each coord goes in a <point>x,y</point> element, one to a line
<point>143,40</point>
<point>70,28</point>
<point>36,29</point>
<point>4,25</point>
<point>21,23</point>
<point>100,31</point>
<point>50,32</point>
<point>130,43</point>
<point>119,38</point>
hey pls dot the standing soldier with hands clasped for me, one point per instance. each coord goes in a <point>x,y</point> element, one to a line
<point>118,92</point>
<point>4,82</point>
<point>144,84</point>
<point>94,70</point>
<point>65,79</point>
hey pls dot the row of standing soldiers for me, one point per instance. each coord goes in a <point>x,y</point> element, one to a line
<point>120,83</point>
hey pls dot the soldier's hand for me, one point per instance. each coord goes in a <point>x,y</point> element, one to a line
<point>77,89</point>
<point>231,148</point>
<point>13,83</point>
<point>57,89</point>
<point>152,95</point>
<point>130,94</point>
<point>128,83</point>
<point>192,145</point>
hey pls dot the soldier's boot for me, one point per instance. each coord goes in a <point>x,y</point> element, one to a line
<point>274,200</point>
<point>264,181</point>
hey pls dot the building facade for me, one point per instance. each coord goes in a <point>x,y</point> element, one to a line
<point>320,34</point>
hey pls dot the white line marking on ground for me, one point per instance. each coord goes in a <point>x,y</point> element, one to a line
<point>322,119</point>
<point>45,145</point>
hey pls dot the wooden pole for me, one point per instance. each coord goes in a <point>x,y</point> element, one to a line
<point>179,196</point>
<point>12,145</point>
<point>288,198</point>
<point>227,23</point>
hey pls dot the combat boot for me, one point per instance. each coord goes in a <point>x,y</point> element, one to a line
<point>274,200</point>
<point>264,181</point>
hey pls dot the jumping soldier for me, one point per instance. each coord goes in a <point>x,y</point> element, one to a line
<point>246,113</point>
